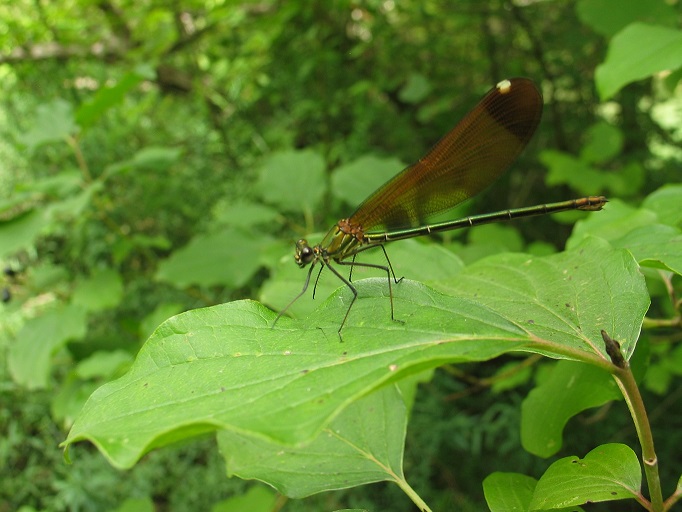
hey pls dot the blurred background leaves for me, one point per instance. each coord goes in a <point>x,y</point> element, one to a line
<point>161,157</point>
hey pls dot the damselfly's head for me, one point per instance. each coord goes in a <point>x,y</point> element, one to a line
<point>304,254</point>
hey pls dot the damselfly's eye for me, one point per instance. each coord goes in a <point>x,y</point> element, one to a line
<point>304,253</point>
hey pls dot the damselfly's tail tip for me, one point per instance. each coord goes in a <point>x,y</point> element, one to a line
<point>592,203</point>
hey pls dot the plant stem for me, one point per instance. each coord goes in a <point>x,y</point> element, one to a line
<point>402,483</point>
<point>628,385</point>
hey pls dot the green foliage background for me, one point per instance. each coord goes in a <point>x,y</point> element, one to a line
<point>158,158</point>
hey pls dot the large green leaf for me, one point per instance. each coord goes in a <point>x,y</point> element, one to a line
<point>225,367</point>
<point>637,52</point>
<point>564,300</point>
<point>362,445</point>
<point>571,388</point>
<point>608,473</point>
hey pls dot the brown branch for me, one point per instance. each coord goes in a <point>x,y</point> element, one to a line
<point>56,51</point>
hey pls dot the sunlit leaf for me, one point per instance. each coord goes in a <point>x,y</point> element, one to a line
<point>637,52</point>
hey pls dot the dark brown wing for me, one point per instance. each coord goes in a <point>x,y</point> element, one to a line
<point>470,157</point>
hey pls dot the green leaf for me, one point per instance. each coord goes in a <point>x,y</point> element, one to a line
<point>68,399</point>
<point>109,96</point>
<point>604,141</point>
<point>225,367</point>
<point>666,203</point>
<point>29,356</point>
<point>21,231</point>
<point>362,445</point>
<point>229,258</point>
<point>565,169</point>
<point>508,492</point>
<point>156,158</point>
<point>151,158</point>
<point>637,230</point>
<point>243,214</point>
<point>609,16</point>
<point>637,52</point>
<point>103,364</point>
<point>74,206</point>
<point>257,499</point>
<point>355,181</point>
<point>416,89</point>
<point>54,123</point>
<point>46,275</point>
<point>145,504</point>
<point>564,299</point>
<point>505,238</point>
<point>657,246</point>
<point>510,376</point>
<point>616,219</point>
<point>293,180</point>
<point>162,312</point>
<point>627,180</point>
<point>570,389</point>
<point>103,290</point>
<point>608,473</point>
<point>60,185</point>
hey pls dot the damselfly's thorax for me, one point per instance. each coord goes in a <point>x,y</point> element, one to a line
<point>343,240</point>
